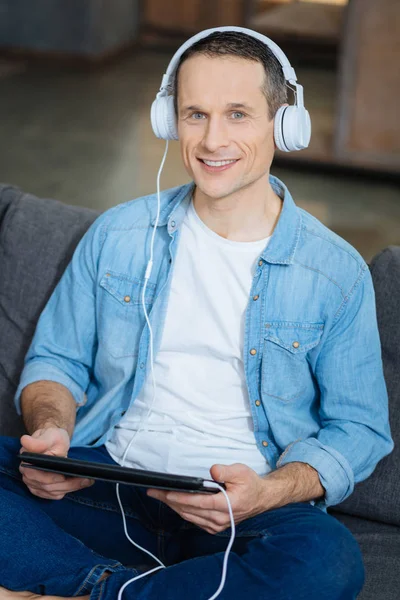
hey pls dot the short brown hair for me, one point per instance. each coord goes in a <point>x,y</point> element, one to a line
<point>232,43</point>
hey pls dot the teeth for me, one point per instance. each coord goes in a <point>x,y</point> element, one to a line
<point>218,163</point>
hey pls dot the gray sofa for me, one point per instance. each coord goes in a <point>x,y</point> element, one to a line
<point>37,239</point>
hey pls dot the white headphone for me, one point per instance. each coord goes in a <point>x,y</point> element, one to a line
<point>292,126</point>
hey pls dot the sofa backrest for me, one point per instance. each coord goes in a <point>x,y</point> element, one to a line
<point>378,497</point>
<point>37,240</point>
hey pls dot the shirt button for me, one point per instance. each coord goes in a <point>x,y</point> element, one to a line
<point>256,297</point>
<point>257,403</point>
<point>265,444</point>
<point>296,344</point>
<point>142,365</point>
<point>173,223</point>
<point>127,299</point>
<point>253,351</point>
<point>260,262</point>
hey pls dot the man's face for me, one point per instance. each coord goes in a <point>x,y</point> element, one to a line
<point>223,116</point>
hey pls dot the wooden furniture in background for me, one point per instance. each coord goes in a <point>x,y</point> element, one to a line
<point>304,21</point>
<point>360,127</point>
<point>368,124</point>
<point>191,16</point>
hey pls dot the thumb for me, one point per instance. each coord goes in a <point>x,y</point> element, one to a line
<point>53,440</point>
<point>31,444</point>
<point>35,444</point>
<point>221,473</point>
<point>46,440</point>
<point>230,473</point>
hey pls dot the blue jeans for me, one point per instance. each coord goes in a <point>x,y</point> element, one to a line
<point>62,547</point>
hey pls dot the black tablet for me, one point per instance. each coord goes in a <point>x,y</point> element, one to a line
<point>117,474</point>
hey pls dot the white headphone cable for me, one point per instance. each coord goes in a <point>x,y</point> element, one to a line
<point>224,564</point>
<point>147,276</point>
<point>228,548</point>
<point>232,538</point>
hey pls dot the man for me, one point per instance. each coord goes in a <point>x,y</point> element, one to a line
<point>268,371</point>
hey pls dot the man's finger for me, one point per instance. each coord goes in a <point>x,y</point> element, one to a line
<point>214,518</point>
<point>45,496</point>
<point>203,523</point>
<point>69,485</point>
<point>206,501</point>
<point>41,477</point>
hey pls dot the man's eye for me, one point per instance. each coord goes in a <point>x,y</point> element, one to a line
<point>238,115</point>
<point>198,116</point>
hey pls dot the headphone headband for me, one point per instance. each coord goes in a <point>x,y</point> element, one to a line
<point>288,71</point>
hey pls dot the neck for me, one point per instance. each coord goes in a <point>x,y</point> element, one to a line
<point>248,215</point>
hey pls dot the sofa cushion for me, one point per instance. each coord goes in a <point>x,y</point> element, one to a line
<point>378,497</point>
<point>37,240</point>
<point>380,547</point>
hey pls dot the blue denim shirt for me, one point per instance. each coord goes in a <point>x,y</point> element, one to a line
<point>311,350</point>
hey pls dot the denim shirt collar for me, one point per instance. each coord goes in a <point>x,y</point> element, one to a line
<point>176,209</point>
<point>285,238</point>
<point>282,246</point>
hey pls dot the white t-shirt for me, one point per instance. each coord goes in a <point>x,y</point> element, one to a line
<point>201,413</point>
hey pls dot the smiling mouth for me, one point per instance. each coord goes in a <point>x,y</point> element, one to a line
<point>218,163</point>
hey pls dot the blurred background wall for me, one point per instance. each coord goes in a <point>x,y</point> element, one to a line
<point>77,78</point>
<point>80,27</point>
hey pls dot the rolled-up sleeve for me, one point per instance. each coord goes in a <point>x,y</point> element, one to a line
<point>64,344</point>
<point>40,369</point>
<point>353,411</point>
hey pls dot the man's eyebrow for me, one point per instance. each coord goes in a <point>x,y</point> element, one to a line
<point>234,105</point>
<point>191,108</point>
<point>239,105</point>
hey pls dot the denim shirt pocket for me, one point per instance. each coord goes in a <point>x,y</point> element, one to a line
<point>121,316</point>
<point>286,371</point>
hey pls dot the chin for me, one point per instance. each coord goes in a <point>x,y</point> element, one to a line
<point>215,189</point>
<point>215,192</point>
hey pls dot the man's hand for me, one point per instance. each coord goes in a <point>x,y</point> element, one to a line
<point>53,486</point>
<point>247,493</point>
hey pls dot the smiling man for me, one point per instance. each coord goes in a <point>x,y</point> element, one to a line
<point>267,363</point>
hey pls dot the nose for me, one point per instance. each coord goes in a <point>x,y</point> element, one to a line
<point>215,135</point>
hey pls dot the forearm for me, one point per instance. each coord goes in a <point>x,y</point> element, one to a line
<point>294,482</point>
<point>48,404</point>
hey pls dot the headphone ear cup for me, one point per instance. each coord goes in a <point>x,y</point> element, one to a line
<point>154,118</point>
<point>303,128</point>
<point>294,131</point>
<point>278,134</point>
<point>163,119</point>
<point>171,119</point>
